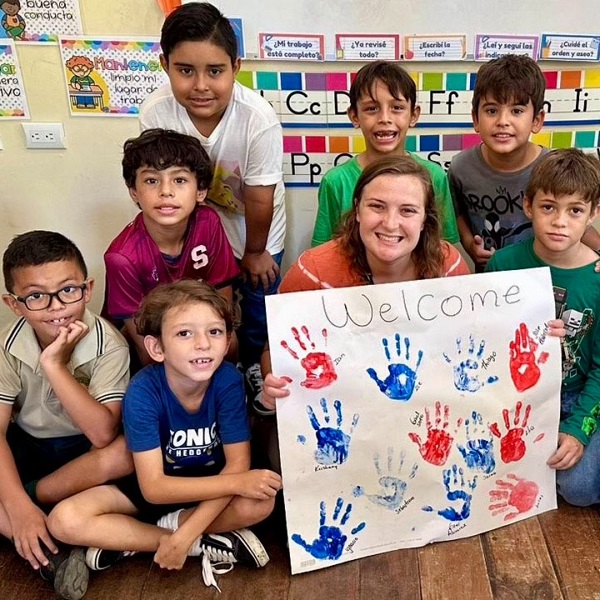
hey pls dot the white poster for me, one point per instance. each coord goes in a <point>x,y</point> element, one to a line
<point>419,412</point>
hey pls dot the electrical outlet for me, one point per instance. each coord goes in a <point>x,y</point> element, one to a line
<point>44,135</point>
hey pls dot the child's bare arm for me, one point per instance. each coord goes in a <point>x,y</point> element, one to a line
<point>274,387</point>
<point>138,342</point>
<point>98,422</point>
<point>591,238</point>
<point>173,548</point>
<point>257,263</point>
<point>26,522</point>
<point>233,351</point>
<point>159,488</point>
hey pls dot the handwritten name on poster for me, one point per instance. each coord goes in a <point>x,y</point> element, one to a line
<point>13,102</point>
<point>107,77</point>
<point>39,21</point>
<point>392,389</point>
<point>490,46</point>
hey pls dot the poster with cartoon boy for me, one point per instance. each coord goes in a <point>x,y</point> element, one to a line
<point>13,23</point>
<point>83,91</point>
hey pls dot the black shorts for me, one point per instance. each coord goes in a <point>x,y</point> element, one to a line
<point>148,512</point>
<point>37,457</point>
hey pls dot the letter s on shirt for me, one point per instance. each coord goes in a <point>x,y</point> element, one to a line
<point>199,256</point>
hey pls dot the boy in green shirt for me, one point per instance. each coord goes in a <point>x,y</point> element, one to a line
<point>383,100</point>
<point>561,200</point>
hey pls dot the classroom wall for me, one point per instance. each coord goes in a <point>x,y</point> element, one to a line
<point>79,191</point>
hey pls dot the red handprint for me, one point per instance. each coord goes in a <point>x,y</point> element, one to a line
<point>518,494</point>
<point>524,370</point>
<point>436,448</point>
<point>512,445</point>
<point>320,370</point>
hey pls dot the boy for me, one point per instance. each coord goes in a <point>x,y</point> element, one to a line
<point>243,137</point>
<point>488,181</point>
<point>561,200</point>
<point>174,237</point>
<point>186,422</point>
<point>63,373</point>
<point>383,100</point>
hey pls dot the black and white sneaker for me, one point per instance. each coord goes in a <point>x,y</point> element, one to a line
<point>98,559</point>
<point>68,572</point>
<point>254,386</point>
<point>238,546</point>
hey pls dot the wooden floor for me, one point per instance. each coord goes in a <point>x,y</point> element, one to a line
<point>554,556</point>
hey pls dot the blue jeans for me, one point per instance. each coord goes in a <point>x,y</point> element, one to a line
<point>580,485</point>
<point>252,334</point>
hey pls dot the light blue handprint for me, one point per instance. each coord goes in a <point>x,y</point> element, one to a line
<point>401,381</point>
<point>332,443</point>
<point>466,377</point>
<point>454,477</point>
<point>393,489</point>
<point>478,452</point>
<point>332,540</point>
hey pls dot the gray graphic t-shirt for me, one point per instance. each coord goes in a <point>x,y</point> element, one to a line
<point>492,200</point>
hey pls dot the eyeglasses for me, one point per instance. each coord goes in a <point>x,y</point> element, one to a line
<point>42,300</point>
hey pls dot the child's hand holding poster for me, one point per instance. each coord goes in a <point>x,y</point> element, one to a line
<point>419,412</point>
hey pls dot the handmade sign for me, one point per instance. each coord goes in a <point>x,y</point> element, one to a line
<point>419,412</point>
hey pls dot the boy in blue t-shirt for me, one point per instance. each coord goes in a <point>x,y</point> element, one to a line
<point>561,200</point>
<point>186,423</point>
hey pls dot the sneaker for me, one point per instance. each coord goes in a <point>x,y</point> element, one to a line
<point>254,386</point>
<point>98,559</point>
<point>238,546</point>
<point>260,409</point>
<point>209,570</point>
<point>68,571</point>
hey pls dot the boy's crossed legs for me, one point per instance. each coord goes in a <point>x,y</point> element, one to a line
<point>51,470</point>
<point>93,468</point>
<point>107,517</point>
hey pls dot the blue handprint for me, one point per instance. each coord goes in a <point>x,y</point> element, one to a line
<point>401,381</point>
<point>393,489</point>
<point>455,477</point>
<point>479,449</point>
<point>332,443</point>
<point>331,541</point>
<point>465,377</point>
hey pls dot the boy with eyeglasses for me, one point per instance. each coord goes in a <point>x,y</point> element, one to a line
<point>63,374</point>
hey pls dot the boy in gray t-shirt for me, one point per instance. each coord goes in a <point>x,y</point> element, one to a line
<point>488,181</point>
